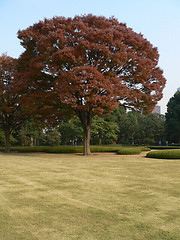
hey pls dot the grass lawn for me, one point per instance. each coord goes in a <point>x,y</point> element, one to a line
<point>104,196</point>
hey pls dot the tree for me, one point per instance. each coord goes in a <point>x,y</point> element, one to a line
<point>90,63</point>
<point>138,128</point>
<point>11,113</point>
<point>2,138</point>
<point>30,134</point>
<point>173,119</point>
<point>70,131</point>
<point>52,137</point>
<point>104,129</point>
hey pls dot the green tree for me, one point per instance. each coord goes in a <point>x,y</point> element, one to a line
<point>173,119</point>
<point>137,128</point>
<point>71,131</point>
<point>151,129</point>
<point>104,130</point>
<point>51,137</point>
<point>2,138</point>
<point>121,119</point>
<point>30,134</point>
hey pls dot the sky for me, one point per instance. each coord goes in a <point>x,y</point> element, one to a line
<point>157,20</point>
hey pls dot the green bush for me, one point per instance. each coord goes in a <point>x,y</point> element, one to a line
<point>47,149</point>
<point>145,149</point>
<point>165,154</point>
<point>28,149</point>
<point>104,149</point>
<point>132,150</point>
<point>164,147</point>
<point>64,149</point>
<point>79,149</point>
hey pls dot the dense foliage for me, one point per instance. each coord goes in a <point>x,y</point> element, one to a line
<point>12,115</point>
<point>173,119</point>
<point>120,127</point>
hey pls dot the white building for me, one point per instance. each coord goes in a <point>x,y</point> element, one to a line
<point>157,109</point>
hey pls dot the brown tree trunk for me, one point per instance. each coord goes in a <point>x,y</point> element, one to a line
<point>100,140</point>
<point>86,120</point>
<point>7,142</point>
<point>87,137</point>
<point>31,141</point>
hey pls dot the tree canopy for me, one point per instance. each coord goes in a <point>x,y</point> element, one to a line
<point>173,118</point>
<point>90,63</point>
<point>11,92</point>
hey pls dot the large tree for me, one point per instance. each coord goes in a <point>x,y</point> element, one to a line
<point>11,92</point>
<point>91,63</point>
<point>173,119</point>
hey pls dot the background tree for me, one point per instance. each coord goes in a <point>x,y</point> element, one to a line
<point>52,137</point>
<point>71,131</point>
<point>2,138</point>
<point>29,134</point>
<point>137,128</point>
<point>11,92</point>
<point>90,63</point>
<point>104,130</point>
<point>173,119</point>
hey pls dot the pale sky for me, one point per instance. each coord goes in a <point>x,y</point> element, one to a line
<point>157,20</point>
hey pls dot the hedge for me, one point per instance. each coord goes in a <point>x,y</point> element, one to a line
<point>79,149</point>
<point>132,150</point>
<point>164,154</point>
<point>164,147</point>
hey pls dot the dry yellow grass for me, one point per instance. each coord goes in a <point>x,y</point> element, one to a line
<point>103,196</point>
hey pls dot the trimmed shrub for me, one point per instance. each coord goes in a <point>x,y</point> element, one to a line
<point>46,149</point>
<point>64,149</point>
<point>104,149</point>
<point>144,149</point>
<point>164,154</point>
<point>79,149</point>
<point>129,151</point>
<point>164,147</point>
<point>28,149</point>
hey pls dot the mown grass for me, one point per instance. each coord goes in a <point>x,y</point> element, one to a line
<point>165,154</point>
<point>104,196</point>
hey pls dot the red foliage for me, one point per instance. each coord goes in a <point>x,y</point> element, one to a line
<point>11,113</point>
<point>93,62</point>
<point>90,63</point>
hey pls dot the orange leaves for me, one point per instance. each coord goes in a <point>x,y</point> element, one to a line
<point>92,62</point>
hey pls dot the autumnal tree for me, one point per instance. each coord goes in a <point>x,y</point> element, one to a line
<point>11,113</point>
<point>90,63</point>
<point>173,119</point>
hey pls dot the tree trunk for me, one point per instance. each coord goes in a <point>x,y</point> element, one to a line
<point>87,137</point>
<point>7,142</point>
<point>31,141</point>
<point>100,140</point>
<point>86,120</point>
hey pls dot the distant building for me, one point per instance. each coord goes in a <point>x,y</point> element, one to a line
<point>157,109</point>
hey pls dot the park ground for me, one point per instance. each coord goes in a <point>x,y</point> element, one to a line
<point>103,196</point>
